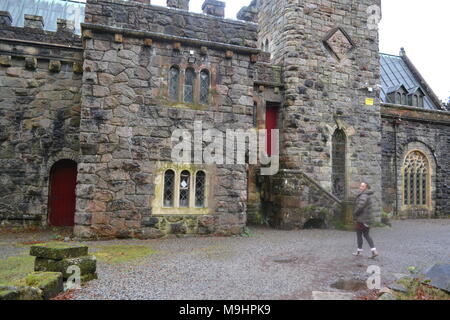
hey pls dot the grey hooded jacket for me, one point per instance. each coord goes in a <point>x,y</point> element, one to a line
<point>363,208</point>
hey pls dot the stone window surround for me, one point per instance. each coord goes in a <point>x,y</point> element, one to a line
<point>413,189</point>
<point>430,179</point>
<point>158,203</point>
<point>182,78</point>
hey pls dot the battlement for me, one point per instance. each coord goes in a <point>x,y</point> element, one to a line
<point>174,20</point>
<point>33,30</point>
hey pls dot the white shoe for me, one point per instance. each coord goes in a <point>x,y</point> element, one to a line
<point>358,253</point>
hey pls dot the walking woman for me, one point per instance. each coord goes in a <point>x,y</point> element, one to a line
<point>363,216</point>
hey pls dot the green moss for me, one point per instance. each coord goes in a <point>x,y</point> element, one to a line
<point>14,269</point>
<point>114,254</point>
<point>41,279</point>
<point>58,250</point>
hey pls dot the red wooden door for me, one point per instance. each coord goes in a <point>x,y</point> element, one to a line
<point>62,199</point>
<point>271,124</point>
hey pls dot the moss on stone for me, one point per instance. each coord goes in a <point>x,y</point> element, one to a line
<point>51,283</point>
<point>87,264</point>
<point>58,250</point>
<point>20,293</point>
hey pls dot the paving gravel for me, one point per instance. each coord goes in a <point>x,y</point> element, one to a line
<point>271,264</point>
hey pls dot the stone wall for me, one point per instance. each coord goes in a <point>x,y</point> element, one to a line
<point>127,119</point>
<point>406,129</point>
<point>40,82</point>
<point>329,58</point>
<point>295,201</point>
<point>131,15</point>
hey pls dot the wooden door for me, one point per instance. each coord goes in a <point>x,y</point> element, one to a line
<point>271,124</point>
<point>62,195</point>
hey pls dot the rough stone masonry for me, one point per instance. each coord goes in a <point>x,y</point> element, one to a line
<point>109,100</point>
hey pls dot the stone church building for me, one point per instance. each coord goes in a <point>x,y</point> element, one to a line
<point>88,108</point>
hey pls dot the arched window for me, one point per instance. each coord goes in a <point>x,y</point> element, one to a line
<point>185,180</point>
<point>415,179</point>
<point>204,86</point>
<point>174,83</point>
<point>189,86</point>
<point>200,180</point>
<point>169,184</point>
<point>339,143</point>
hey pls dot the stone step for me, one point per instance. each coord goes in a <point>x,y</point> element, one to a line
<point>58,251</point>
<point>87,265</point>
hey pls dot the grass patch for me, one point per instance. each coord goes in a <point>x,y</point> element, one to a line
<point>419,291</point>
<point>115,254</point>
<point>13,270</point>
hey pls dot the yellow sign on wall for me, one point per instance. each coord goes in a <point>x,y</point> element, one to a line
<point>370,101</point>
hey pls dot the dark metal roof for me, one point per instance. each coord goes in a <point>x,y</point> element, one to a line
<point>394,73</point>
<point>50,10</point>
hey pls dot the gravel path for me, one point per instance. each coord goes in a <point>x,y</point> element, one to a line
<point>271,264</point>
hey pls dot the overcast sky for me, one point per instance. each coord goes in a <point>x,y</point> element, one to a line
<point>422,29</point>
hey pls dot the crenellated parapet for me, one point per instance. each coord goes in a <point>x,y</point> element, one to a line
<point>172,22</point>
<point>33,44</point>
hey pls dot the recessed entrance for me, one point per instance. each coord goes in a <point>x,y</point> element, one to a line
<point>62,194</point>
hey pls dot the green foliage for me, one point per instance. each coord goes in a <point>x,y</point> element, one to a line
<point>116,254</point>
<point>413,270</point>
<point>13,270</point>
<point>247,233</point>
<point>418,290</point>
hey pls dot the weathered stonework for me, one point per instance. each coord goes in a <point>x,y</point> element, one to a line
<point>406,129</point>
<point>127,122</point>
<point>39,119</point>
<point>103,101</point>
<point>324,90</point>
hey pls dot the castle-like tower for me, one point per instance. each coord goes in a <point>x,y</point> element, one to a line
<point>330,116</point>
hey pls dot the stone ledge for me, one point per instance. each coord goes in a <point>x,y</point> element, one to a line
<point>166,37</point>
<point>58,251</point>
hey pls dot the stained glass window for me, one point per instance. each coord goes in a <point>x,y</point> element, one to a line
<point>184,189</point>
<point>339,143</point>
<point>189,86</point>
<point>204,87</point>
<point>169,184</point>
<point>415,179</point>
<point>200,189</point>
<point>174,83</point>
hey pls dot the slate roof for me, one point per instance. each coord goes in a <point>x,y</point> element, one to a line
<point>51,10</point>
<point>395,72</point>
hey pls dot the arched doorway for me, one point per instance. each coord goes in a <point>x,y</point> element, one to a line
<point>62,193</point>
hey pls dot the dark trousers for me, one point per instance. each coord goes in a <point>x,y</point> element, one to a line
<point>361,231</point>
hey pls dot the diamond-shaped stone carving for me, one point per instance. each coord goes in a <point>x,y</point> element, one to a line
<point>339,43</point>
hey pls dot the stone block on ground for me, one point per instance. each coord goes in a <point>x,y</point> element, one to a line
<point>58,251</point>
<point>51,283</point>
<point>438,276</point>
<point>398,287</point>
<point>87,265</point>
<point>20,293</point>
